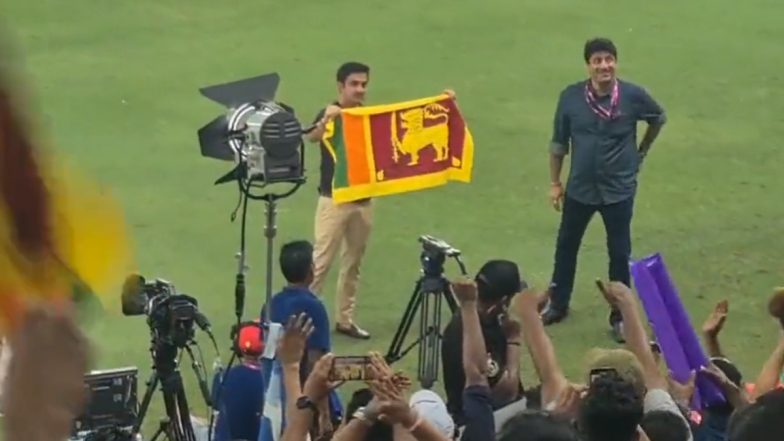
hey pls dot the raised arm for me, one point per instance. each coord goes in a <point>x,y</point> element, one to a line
<point>712,328</point>
<point>539,346</point>
<point>321,121</point>
<point>477,401</point>
<point>291,347</point>
<point>621,296</point>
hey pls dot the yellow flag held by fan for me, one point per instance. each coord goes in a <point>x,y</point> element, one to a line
<point>60,233</point>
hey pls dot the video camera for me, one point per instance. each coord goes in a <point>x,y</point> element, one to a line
<point>434,254</point>
<point>170,315</point>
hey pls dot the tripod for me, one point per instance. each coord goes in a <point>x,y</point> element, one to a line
<point>429,292</point>
<point>177,426</point>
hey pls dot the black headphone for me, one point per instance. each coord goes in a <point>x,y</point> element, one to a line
<point>235,335</point>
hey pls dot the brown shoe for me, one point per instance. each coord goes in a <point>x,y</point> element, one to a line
<point>353,331</point>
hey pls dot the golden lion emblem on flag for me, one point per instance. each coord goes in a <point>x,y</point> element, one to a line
<point>418,136</point>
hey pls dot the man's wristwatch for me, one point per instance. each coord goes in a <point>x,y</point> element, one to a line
<point>304,402</point>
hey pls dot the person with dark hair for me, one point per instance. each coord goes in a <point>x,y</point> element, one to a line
<point>714,421</point>
<point>596,120</point>
<point>498,281</point>
<point>296,264</point>
<point>348,224</point>
<point>760,421</point>
<point>611,410</point>
<point>360,408</point>
<point>537,426</point>
<point>661,425</point>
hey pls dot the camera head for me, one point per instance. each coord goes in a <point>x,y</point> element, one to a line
<point>137,294</point>
<point>434,245</point>
<point>434,254</point>
<point>170,315</point>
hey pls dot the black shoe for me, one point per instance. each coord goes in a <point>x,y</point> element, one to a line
<point>618,332</point>
<point>553,315</point>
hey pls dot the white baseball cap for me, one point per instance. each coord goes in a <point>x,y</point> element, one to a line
<point>432,408</point>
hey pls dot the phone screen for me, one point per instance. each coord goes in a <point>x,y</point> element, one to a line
<point>595,373</point>
<point>350,369</point>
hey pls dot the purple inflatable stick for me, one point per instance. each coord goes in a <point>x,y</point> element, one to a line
<point>672,328</point>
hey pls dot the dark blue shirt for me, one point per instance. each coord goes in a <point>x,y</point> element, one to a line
<point>605,157</point>
<point>713,427</point>
<point>478,413</point>
<point>295,301</point>
<point>241,403</point>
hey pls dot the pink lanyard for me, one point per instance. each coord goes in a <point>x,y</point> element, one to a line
<point>597,108</point>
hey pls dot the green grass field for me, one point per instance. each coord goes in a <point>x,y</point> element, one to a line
<point>116,85</point>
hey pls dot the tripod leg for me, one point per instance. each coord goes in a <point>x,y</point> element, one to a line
<point>430,329</point>
<point>185,415</point>
<point>405,324</point>
<point>152,383</point>
<point>161,430</point>
<point>429,350</point>
<point>176,405</point>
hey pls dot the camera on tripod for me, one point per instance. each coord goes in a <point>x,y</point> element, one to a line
<point>434,254</point>
<point>170,315</point>
<point>426,301</point>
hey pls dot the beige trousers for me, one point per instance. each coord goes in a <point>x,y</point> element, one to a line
<point>347,225</point>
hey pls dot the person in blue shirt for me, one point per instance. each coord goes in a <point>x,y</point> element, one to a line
<point>240,398</point>
<point>296,264</point>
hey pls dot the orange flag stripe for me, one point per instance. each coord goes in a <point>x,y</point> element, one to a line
<point>356,142</point>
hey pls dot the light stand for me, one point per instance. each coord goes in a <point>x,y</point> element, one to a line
<point>264,139</point>
<point>270,231</point>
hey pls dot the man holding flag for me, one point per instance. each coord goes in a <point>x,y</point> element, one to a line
<point>362,157</point>
<point>348,223</point>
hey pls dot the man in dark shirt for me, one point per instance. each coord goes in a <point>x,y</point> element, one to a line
<point>596,120</point>
<point>498,281</point>
<point>347,224</point>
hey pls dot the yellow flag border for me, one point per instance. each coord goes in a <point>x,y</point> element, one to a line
<point>412,183</point>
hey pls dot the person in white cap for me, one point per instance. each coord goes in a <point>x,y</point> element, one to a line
<point>432,408</point>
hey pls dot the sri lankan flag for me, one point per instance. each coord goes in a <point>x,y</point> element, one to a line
<point>397,148</point>
<point>61,236</point>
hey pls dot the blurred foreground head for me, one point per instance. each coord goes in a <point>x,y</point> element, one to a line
<point>761,421</point>
<point>61,235</point>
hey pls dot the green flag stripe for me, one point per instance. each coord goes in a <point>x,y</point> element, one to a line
<point>340,177</point>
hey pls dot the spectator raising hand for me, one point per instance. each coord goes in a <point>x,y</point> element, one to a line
<point>713,326</point>
<point>776,305</point>
<point>465,290</point>
<point>682,393</point>
<point>554,383</point>
<point>394,410</point>
<point>715,321</point>
<point>291,346</point>
<point>735,395</point>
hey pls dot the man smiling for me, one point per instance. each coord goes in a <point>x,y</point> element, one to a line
<point>596,120</point>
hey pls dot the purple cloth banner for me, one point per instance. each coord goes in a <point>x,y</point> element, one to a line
<point>671,326</point>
